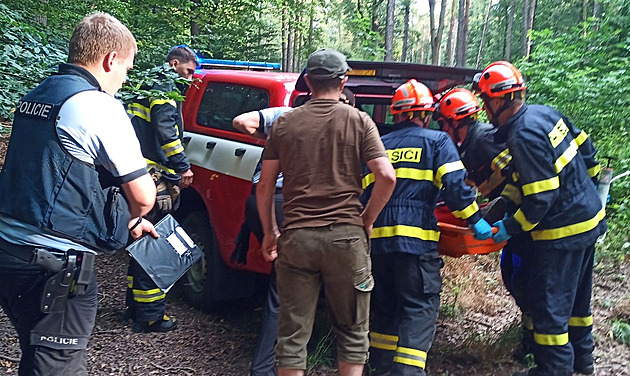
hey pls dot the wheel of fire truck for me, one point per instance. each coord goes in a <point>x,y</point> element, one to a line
<point>198,283</point>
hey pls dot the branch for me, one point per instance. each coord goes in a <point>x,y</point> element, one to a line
<point>10,359</point>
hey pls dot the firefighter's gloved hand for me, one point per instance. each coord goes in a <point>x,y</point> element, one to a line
<point>501,235</point>
<point>164,199</point>
<point>482,230</point>
<point>164,202</point>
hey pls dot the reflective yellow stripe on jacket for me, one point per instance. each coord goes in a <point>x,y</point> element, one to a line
<point>408,231</point>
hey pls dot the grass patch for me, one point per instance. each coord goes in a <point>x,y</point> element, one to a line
<point>621,331</point>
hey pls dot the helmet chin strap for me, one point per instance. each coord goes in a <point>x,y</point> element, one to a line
<point>507,103</point>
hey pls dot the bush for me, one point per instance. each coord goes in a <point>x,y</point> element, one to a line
<point>29,54</point>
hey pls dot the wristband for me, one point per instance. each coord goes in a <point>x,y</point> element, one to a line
<point>136,224</point>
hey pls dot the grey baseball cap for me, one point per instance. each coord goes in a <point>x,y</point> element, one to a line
<point>326,63</point>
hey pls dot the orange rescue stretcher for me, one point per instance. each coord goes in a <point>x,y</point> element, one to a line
<point>456,238</point>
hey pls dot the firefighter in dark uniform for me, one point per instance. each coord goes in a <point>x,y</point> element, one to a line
<point>406,264</point>
<point>488,165</point>
<point>159,127</point>
<point>70,136</point>
<point>561,212</point>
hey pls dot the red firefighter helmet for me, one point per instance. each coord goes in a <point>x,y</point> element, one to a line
<point>458,104</point>
<point>412,96</point>
<point>499,78</point>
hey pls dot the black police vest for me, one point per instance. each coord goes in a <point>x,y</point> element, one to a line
<point>44,186</point>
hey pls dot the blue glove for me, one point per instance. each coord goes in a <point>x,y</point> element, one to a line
<point>502,235</point>
<point>482,230</point>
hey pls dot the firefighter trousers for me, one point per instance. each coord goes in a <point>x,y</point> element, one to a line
<point>559,297</point>
<point>144,299</point>
<point>515,271</point>
<point>405,307</point>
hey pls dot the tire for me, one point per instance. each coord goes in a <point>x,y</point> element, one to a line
<point>198,283</point>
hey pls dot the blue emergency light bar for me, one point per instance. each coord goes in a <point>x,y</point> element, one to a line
<point>237,64</point>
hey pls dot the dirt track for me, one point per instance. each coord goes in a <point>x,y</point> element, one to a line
<point>474,335</point>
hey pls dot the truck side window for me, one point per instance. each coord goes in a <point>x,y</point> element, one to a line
<point>222,102</point>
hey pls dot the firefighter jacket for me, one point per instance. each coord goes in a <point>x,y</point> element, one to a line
<point>42,185</point>
<point>158,125</point>
<point>426,162</point>
<point>554,165</point>
<point>486,161</point>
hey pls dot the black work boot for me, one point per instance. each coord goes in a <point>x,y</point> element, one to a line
<point>584,365</point>
<point>166,324</point>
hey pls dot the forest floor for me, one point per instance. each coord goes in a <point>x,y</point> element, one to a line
<point>476,332</point>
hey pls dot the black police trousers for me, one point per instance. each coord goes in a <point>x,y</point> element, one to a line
<point>52,344</point>
<point>263,361</point>
<point>559,297</point>
<point>404,309</point>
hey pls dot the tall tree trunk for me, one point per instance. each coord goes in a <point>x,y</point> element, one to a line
<point>597,9</point>
<point>389,31</point>
<point>462,33</point>
<point>440,33</point>
<point>483,34</point>
<point>432,31</point>
<point>405,40</point>
<point>530,26</point>
<point>524,24</point>
<point>195,28</point>
<point>436,35</point>
<point>290,45</point>
<point>311,21</point>
<point>509,30</point>
<point>450,51</point>
<point>285,24</point>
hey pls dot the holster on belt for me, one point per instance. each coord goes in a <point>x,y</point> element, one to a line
<point>70,277</point>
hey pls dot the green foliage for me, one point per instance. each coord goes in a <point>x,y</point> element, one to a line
<point>323,354</point>
<point>621,331</point>
<point>29,53</point>
<point>142,83</point>
<point>584,73</point>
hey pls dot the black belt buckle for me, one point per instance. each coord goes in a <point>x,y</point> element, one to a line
<point>58,287</point>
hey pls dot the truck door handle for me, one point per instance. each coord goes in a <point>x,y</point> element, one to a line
<point>186,139</point>
<point>210,145</point>
<point>239,152</point>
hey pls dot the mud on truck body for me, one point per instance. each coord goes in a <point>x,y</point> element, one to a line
<point>223,160</point>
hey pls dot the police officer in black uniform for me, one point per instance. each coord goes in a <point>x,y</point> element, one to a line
<point>70,136</point>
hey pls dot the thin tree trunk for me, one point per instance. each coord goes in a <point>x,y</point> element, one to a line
<point>405,33</point>
<point>597,9</point>
<point>310,27</point>
<point>432,31</point>
<point>389,31</point>
<point>440,31</point>
<point>450,51</point>
<point>483,34</point>
<point>524,24</point>
<point>509,30</point>
<point>462,33</point>
<point>530,26</point>
<point>290,44</point>
<point>285,60</point>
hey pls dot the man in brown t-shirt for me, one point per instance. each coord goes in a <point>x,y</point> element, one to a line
<point>320,148</point>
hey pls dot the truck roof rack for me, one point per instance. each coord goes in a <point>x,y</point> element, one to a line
<point>385,77</point>
<point>238,64</point>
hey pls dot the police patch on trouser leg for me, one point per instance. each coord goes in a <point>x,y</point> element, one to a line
<point>70,329</point>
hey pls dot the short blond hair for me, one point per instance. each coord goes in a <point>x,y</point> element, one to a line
<point>97,35</point>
